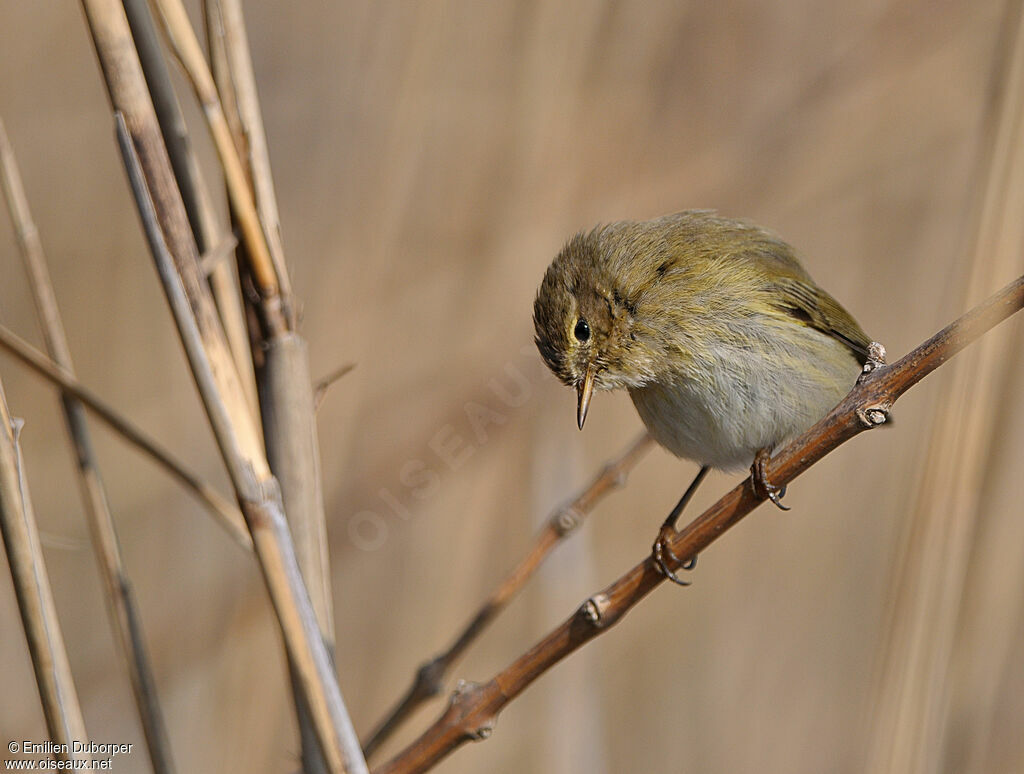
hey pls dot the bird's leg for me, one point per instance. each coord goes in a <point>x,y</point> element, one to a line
<point>759,480</point>
<point>661,550</point>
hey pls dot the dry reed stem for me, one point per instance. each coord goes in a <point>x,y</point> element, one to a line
<point>237,62</point>
<point>283,376</point>
<point>911,705</point>
<point>194,191</point>
<point>258,494</point>
<point>289,426</point>
<point>35,599</point>
<point>120,595</point>
<point>177,261</point>
<point>429,678</point>
<point>186,47</point>
<point>223,510</point>
<point>257,491</point>
<point>474,707</point>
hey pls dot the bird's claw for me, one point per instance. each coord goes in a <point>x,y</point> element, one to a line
<point>763,488</point>
<point>661,550</point>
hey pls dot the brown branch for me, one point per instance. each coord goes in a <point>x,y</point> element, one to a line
<point>429,678</point>
<point>474,707</point>
<point>120,594</point>
<point>223,510</point>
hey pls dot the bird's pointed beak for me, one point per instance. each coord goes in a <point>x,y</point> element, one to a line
<point>584,390</point>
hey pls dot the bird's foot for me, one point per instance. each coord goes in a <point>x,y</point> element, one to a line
<point>763,488</point>
<point>661,551</point>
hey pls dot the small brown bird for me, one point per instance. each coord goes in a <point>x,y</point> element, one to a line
<point>725,343</point>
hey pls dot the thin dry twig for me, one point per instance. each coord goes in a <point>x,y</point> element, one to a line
<point>429,678</point>
<point>223,510</point>
<point>35,599</point>
<point>474,707</point>
<point>323,385</point>
<point>120,594</point>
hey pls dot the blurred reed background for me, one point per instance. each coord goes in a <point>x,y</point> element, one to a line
<point>430,159</point>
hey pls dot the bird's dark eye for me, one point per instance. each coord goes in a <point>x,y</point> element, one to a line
<point>582,330</point>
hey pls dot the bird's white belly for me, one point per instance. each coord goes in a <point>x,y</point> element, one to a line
<point>741,403</point>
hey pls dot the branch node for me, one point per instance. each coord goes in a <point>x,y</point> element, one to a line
<point>876,359</point>
<point>873,416</point>
<point>565,520</point>
<point>429,677</point>
<point>464,697</point>
<point>615,473</point>
<point>209,260</point>
<point>594,608</point>
<point>484,731</point>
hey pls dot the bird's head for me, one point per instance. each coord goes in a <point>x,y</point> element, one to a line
<point>585,322</point>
